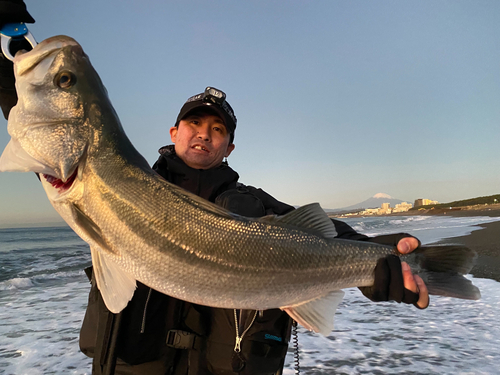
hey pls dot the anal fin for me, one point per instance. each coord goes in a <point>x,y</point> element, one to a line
<point>317,315</point>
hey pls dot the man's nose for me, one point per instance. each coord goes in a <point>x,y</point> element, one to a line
<point>204,133</point>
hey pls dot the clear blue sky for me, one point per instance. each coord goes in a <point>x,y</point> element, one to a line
<point>336,100</point>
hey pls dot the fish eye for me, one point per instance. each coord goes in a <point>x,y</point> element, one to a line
<point>65,79</point>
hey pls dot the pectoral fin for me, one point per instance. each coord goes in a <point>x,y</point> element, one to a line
<point>116,285</point>
<point>90,230</point>
<point>317,315</point>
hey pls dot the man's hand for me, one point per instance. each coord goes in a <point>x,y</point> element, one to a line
<point>14,11</point>
<point>394,280</point>
<point>11,11</point>
<point>413,283</point>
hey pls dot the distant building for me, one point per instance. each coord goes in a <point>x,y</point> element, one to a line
<point>424,202</point>
<point>402,207</point>
<point>385,209</point>
<point>370,211</point>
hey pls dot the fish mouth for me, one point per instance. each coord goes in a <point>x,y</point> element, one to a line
<point>59,190</point>
<point>25,61</point>
<point>60,185</point>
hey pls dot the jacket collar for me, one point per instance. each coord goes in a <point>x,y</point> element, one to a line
<point>207,183</point>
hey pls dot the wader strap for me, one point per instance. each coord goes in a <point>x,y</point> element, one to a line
<point>104,361</point>
<point>183,340</point>
<point>191,342</point>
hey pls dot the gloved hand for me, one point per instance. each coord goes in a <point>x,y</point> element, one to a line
<point>389,284</point>
<point>14,11</point>
<point>393,282</point>
<point>11,11</point>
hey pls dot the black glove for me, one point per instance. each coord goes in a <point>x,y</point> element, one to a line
<point>389,285</point>
<point>14,11</point>
<point>11,11</point>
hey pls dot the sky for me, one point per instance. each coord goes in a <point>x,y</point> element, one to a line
<point>336,100</point>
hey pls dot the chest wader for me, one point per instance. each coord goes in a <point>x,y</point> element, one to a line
<point>100,340</point>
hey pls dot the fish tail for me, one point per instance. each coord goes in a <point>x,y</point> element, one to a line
<point>442,269</point>
<point>450,285</point>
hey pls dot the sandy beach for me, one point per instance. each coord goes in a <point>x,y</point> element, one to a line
<point>486,241</point>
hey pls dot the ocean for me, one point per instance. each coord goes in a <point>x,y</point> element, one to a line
<point>43,295</point>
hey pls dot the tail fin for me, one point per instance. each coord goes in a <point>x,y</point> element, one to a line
<point>442,269</point>
<point>450,285</point>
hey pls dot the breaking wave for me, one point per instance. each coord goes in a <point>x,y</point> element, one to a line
<point>16,283</point>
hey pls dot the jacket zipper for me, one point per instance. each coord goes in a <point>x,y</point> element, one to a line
<point>143,325</point>
<point>237,346</point>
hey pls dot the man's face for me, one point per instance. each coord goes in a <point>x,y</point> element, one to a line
<point>201,140</point>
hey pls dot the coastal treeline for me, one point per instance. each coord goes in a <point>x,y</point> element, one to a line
<point>491,199</point>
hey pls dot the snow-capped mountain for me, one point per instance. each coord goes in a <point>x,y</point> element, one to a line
<point>373,202</point>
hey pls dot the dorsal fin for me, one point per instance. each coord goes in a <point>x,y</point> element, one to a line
<point>310,217</point>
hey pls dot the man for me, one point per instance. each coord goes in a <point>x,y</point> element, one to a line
<point>158,334</point>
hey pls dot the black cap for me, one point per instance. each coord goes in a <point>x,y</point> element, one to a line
<point>214,99</point>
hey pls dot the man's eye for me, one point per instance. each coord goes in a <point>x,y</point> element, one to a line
<point>196,122</point>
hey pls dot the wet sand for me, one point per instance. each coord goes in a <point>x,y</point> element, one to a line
<point>485,241</point>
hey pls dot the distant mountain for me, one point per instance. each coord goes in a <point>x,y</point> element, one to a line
<point>373,202</point>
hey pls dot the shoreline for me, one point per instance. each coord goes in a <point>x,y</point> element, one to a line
<point>485,241</point>
<point>492,210</point>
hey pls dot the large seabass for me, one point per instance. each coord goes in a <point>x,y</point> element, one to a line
<point>140,227</point>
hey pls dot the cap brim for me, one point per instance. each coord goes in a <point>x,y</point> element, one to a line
<point>190,107</point>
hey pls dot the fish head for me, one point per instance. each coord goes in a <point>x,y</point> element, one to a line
<point>54,121</point>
